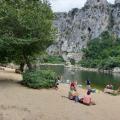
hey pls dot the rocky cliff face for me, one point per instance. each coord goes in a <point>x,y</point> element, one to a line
<point>79,26</point>
<point>117,1</point>
<point>116,18</point>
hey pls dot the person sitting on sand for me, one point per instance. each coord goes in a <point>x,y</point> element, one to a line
<point>73,94</point>
<point>109,86</point>
<point>73,85</point>
<point>87,99</point>
<point>111,91</point>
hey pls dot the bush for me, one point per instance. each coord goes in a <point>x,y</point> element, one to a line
<point>72,61</point>
<point>39,79</point>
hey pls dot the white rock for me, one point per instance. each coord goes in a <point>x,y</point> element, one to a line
<point>116,70</point>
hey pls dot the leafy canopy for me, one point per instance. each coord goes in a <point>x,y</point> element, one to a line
<point>25,29</point>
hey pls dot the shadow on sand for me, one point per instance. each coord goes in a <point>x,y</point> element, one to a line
<point>9,78</point>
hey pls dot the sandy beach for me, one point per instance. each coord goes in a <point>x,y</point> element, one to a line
<point>21,103</point>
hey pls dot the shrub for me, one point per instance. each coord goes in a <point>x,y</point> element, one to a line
<point>39,79</point>
<point>72,61</point>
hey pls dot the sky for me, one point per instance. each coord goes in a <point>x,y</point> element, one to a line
<point>66,5</point>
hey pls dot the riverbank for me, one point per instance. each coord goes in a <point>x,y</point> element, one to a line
<point>77,67</point>
<point>21,103</point>
<point>82,68</point>
<point>115,70</point>
<point>72,67</point>
<point>52,64</point>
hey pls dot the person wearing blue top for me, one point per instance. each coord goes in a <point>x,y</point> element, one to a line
<point>88,84</point>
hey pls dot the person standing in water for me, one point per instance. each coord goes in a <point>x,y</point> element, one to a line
<point>57,81</point>
<point>88,84</point>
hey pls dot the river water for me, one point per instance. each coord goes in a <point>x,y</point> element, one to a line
<point>98,80</point>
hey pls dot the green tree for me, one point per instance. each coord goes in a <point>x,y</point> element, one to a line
<point>102,52</point>
<point>25,30</point>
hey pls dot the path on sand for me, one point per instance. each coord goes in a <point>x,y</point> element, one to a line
<point>21,103</point>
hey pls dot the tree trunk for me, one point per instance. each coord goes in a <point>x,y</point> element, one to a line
<point>22,64</point>
<point>29,65</point>
<point>27,62</point>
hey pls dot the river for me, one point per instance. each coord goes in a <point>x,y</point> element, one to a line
<point>98,80</point>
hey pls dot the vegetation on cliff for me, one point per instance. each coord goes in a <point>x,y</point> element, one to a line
<point>102,52</point>
<point>53,59</point>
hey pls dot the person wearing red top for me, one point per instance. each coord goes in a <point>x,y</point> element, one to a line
<point>73,93</point>
<point>73,85</point>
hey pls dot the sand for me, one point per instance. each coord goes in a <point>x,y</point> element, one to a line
<point>21,103</point>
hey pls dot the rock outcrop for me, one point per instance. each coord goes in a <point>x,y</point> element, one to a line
<point>96,2</point>
<point>78,26</point>
<point>116,18</point>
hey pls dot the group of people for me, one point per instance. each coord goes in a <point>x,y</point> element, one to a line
<point>77,97</point>
<point>86,99</point>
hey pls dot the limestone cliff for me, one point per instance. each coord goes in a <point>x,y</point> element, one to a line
<point>116,18</point>
<point>78,26</point>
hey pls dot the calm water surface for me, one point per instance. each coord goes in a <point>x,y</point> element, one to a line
<point>98,80</point>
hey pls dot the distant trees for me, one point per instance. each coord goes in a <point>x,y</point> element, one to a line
<point>102,52</point>
<point>25,30</point>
